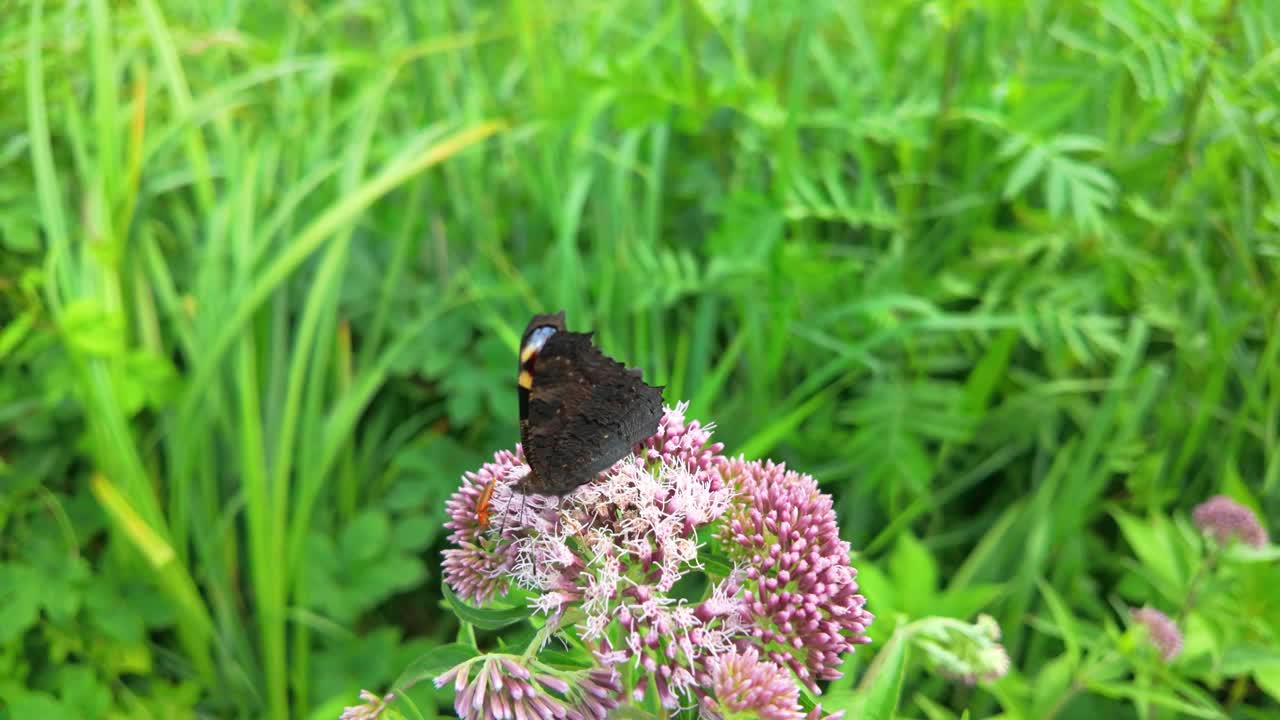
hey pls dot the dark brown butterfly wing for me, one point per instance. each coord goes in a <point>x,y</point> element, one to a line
<point>585,412</point>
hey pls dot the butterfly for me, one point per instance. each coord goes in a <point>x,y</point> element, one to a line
<point>581,411</point>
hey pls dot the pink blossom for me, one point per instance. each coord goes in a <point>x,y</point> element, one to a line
<point>1224,519</point>
<point>741,682</point>
<point>1161,631</point>
<point>507,686</point>
<point>801,592</point>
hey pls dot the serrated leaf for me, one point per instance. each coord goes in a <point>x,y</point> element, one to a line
<point>485,618</point>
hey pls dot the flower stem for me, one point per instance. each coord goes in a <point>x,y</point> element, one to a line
<point>1193,587</point>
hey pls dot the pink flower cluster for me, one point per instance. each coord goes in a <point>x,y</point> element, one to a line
<point>474,568</point>
<point>504,688</point>
<point>801,591</point>
<point>1161,631</point>
<point>604,562</point>
<point>1225,519</point>
<point>741,682</point>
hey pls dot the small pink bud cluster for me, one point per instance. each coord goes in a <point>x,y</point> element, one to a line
<point>1161,631</point>
<point>505,688</point>
<point>1226,519</point>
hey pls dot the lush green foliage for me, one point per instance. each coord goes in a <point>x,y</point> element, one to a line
<point>1004,276</point>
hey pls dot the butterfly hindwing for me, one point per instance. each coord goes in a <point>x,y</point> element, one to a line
<point>585,411</point>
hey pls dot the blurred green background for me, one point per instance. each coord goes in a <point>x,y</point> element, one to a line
<point>989,270</point>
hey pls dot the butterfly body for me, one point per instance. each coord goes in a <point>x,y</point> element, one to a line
<point>580,410</point>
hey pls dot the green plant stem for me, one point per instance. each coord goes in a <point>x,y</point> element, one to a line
<point>1193,587</point>
<point>1199,90</point>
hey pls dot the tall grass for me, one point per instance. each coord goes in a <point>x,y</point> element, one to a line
<point>985,269</point>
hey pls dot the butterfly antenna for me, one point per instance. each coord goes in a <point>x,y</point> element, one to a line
<point>505,512</point>
<point>524,498</point>
<point>506,509</point>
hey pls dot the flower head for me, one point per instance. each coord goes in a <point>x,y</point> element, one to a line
<point>505,688</point>
<point>686,443</point>
<point>744,686</point>
<point>1224,519</point>
<point>604,563</point>
<point>475,567</point>
<point>635,532</point>
<point>1161,631</point>
<point>370,709</point>
<point>963,651</point>
<point>801,592</point>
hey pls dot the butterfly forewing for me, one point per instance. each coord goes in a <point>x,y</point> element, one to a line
<point>585,411</point>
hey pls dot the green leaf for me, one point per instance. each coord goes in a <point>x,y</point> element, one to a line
<point>409,493</point>
<point>113,616</point>
<point>91,330</point>
<point>415,532</point>
<point>716,564</point>
<point>15,331</point>
<point>1269,681</point>
<point>881,688</point>
<point>1242,659</point>
<point>1151,545</point>
<point>19,600</point>
<point>62,585</point>
<point>366,537</point>
<point>80,689</point>
<point>39,705</point>
<point>960,602</point>
<point>432,664</point>
<point>915,574</point>
<point>631,712</point>
<point>1065,621</point>
<point>1052,683</point>
<point>1157,696</point>
<point>1028,168</point>
<point>485,618</point>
